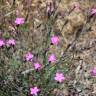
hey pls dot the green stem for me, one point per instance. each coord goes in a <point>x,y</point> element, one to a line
<point>49,29</point>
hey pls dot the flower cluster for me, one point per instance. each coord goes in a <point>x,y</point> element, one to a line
<point>54,40</point>
<point>59,77</point>
<point>9,42</point>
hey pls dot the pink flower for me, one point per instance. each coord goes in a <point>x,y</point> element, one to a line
<point>93,72</point>
<point>2,43</point>
<point>11,42</point>
<point>29,56</point>
<point>59,77</point>
<point>52,58</point>
<point>93,11</point>
<point>55,40</point>
<point>34,91</point>
<point>37,66</point>
<point>19,21</point>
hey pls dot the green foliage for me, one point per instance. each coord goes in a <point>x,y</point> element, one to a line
<point>24,28</point>
<point>14,63</point>
<point>6,35</point>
